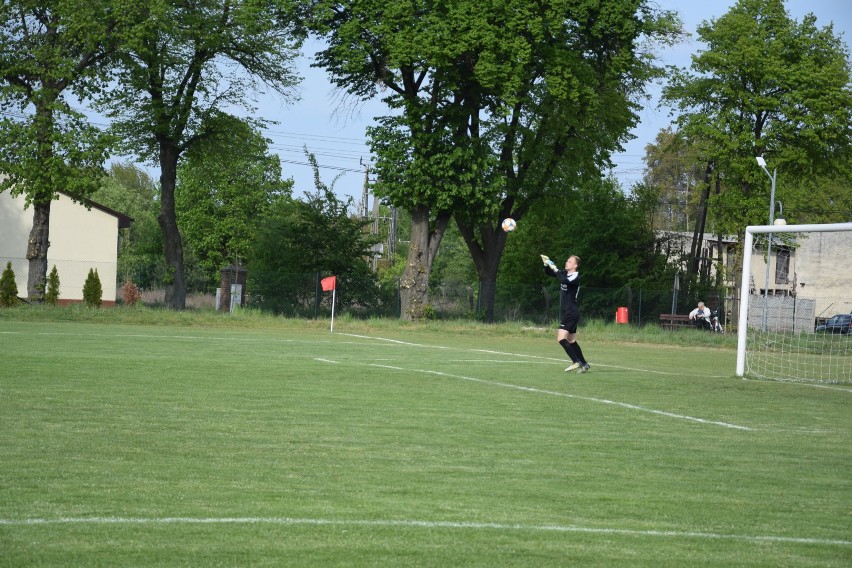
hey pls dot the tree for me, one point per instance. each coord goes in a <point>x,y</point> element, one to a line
<point>185,63</point>
<point>224,187</point>
<point>766,85</point>
<point>8,287</point>
<point>524,99</point>
<point>50,52</point>
<point>297,240</point>
<point>612,237</point>
<point>92,289</point>
<point>673,170</point>
<point>52,295</point>
<point>130,190</point>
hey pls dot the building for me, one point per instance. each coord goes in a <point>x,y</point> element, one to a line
<point>810,270</point>
<point>82,237</point>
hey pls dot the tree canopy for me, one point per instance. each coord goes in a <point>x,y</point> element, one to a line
<point>766,85</point>
<point>51,55</point>
<point>299,240</point>
<point>182,67</point>
<point>522,101</point>
<point>128,189</point>
<point>224,187</point>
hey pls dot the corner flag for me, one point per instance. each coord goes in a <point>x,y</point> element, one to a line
<point>329,284</point>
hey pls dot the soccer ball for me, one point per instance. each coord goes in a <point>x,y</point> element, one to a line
<point>509,224</point>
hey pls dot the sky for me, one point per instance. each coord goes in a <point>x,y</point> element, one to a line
<point>333,127</point>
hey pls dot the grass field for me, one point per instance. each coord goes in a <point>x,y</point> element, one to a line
<point>276,443</point>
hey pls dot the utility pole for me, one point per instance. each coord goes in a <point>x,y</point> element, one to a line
<point>363,207</point>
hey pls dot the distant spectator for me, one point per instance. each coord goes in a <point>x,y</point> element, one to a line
<point>700,317</point>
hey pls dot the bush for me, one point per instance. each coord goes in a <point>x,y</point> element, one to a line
<point>8,287</point>
<point>92,290</point>
<point>129,293</point>
<point>52,294</point>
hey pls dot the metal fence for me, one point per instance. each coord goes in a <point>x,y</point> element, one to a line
<point>302,296</point>
<point>72,276</point>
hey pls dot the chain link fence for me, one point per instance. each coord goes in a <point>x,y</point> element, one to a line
<point>72,277</point>
<point>301,296</point>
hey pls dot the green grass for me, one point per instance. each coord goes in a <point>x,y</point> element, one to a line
<point>148,438</point>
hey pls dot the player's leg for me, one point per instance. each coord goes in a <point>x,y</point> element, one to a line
<point>584,365</point>
<point>562,338</point>
<point>571,327</point>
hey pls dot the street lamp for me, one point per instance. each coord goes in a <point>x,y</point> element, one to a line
<point>779,220</point>
<point>762,163</point>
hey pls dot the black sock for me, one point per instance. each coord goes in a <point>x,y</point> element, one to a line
<point>579,353</point>
<point>568,349</point>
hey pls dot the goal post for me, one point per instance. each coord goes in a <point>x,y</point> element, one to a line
<point>791,349</point>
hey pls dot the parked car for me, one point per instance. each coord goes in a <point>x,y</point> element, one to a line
<point>841,323</point>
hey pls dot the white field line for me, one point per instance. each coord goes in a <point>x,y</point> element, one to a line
<point>504,385</point>
<point>521,355</point>
<point>420,525</point>
<point>553,393</point>
<point>563,394</point>
<point>501,361</point>
<point>797,384</point>
<point>550,360</point>
<point>396,341</point>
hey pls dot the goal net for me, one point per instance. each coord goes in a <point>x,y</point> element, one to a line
<point>795,316</point>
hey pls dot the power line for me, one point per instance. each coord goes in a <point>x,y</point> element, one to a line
<point>280,148</point>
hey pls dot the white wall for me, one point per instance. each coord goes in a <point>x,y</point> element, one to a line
<point>80,240</point>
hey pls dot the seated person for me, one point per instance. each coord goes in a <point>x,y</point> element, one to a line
<point>700,316</point>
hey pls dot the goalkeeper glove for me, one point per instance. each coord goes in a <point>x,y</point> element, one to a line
<point>548,262</point>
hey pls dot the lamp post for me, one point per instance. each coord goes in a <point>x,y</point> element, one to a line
<point>762,163</point>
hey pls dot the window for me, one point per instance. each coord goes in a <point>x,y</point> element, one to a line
<point>782,266</point>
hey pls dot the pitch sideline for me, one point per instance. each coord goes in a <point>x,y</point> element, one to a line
<point>422,524</point>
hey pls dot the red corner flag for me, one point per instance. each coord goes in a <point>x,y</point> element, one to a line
<point>328,284</point>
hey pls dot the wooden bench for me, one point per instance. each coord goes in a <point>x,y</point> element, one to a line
<point>674,321</point>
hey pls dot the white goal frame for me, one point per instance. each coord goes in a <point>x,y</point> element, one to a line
<point>751,230</point>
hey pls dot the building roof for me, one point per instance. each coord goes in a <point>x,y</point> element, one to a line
<point>124,221</point>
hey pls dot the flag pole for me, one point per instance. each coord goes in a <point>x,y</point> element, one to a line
<point>330,283</point>
<point>333,296</point>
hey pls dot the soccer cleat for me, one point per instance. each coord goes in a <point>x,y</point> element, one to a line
<point>572,367</point>
<point>584,368</point>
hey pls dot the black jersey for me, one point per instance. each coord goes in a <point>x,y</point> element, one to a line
<point>570,286</point>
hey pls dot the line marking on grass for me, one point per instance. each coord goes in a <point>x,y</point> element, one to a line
<point>395,341</point>
<point>499,361</point>
<point>504,353</point>
<point>793,383</point>
<point>420,524</point>
<point>565,395</point>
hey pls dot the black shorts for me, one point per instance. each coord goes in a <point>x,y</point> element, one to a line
<point>569,323</point>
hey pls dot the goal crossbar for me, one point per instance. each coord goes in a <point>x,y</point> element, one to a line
<point>751,230</point>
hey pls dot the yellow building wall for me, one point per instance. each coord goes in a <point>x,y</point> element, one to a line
<point>80,239</point>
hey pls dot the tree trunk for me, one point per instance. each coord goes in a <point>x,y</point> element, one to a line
<point>37,246</point>
<point>700,221</point>
<point>175,287</point>
<point>486,257</point>
<point>720,260</point>
<point>414,285</point>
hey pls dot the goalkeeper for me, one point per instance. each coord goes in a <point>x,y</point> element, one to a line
<point>566,335</point>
